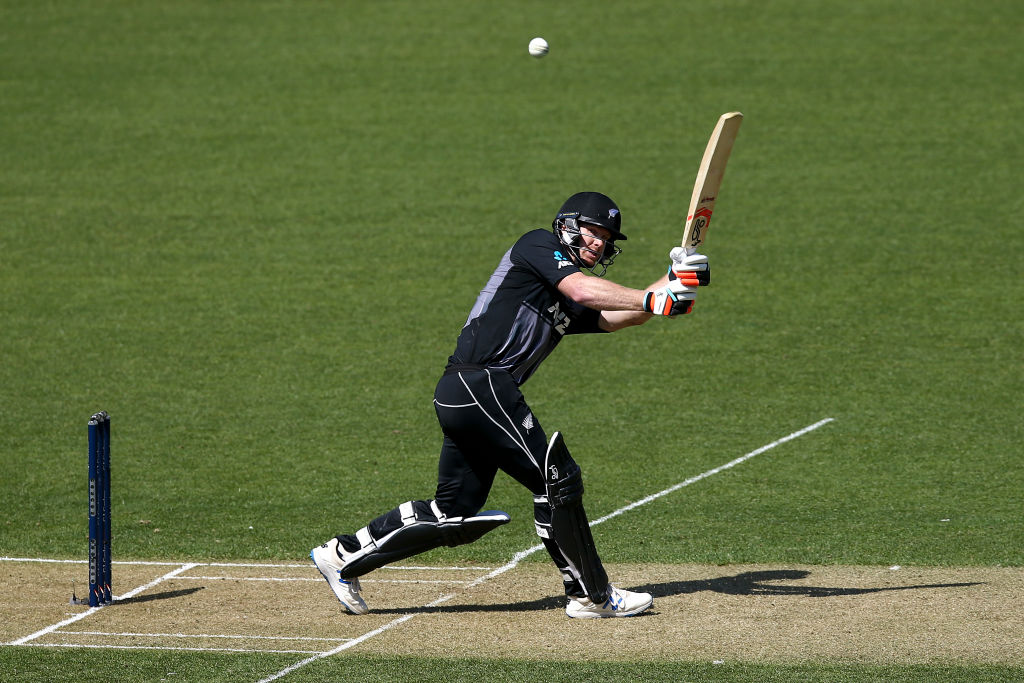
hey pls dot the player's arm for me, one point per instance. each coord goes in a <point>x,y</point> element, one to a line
<point>600,294</point>
<point>672,294</point>
<point>610,321</point>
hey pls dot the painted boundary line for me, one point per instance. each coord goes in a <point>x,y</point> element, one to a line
<point>521,555</point>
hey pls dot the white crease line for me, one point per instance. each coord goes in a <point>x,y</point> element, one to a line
<point>246,578</point>
<point>306,578</point>
<point>234,564</point>
<point>93,610</point>
<point>252,564</point>
<point>441,581</point>
<point>397,567</point>
<point>192,635</point>
<point>176,649</point>
<point>53,561</point>
<point>522,554</point>
<point>352,643</point>
<point>154,582</point>
<point>516,559</point>
<point>733,463</point>
<point>307,565</point>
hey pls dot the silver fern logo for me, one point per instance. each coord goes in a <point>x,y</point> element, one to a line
<point>528,422</point>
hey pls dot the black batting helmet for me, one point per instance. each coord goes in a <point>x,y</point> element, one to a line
<point>594,208</point>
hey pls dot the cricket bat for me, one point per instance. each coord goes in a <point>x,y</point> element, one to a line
<point>709,179</point>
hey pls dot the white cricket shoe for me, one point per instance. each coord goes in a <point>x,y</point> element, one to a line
<point>620,603</point>
<point>327,561</point>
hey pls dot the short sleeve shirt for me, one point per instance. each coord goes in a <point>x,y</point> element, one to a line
<point>520,316</point>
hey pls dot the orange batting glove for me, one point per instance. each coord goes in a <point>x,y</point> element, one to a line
<point>692,270</point>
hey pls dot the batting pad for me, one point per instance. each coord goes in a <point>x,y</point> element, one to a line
<point>422,530</point>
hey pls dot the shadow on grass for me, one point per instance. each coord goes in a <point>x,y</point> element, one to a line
<point>745,583</point>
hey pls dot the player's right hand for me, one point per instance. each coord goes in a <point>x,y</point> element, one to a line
<point>676,298</point>
<point>693,269</point>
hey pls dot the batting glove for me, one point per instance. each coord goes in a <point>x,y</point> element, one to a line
<point>676,298</point>
<point>693,269</point>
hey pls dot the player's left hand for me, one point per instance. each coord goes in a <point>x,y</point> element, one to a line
<point>692,270</point>
<point>676,298</point>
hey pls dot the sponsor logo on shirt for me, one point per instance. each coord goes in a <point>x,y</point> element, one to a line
<point>562,260</point>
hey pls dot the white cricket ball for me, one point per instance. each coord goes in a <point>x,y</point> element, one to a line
<point>538,47</point>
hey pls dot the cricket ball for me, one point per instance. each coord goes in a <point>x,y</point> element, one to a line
<point>538,47</point>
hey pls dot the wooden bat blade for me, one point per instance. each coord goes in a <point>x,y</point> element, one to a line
<point>709,180</point>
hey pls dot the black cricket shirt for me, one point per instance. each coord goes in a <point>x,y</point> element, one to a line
<point>520,316</point>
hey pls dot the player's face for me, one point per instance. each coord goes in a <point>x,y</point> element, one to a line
<point>594,238</point>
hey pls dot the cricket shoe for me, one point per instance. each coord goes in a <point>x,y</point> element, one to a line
<point>330,564</point>
<point>620,603</point>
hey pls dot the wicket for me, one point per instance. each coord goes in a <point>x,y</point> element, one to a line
<point>99,510</point>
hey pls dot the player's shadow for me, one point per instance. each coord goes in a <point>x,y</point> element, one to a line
<point>746,583</point>
<point>166,595</point>
<point>757,583</point>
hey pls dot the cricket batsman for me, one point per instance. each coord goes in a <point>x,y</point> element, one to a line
<point>537,295</point>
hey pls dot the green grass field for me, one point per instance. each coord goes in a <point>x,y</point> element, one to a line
<point>252,230</point>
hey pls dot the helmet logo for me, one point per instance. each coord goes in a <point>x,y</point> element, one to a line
<point>612,213</point>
